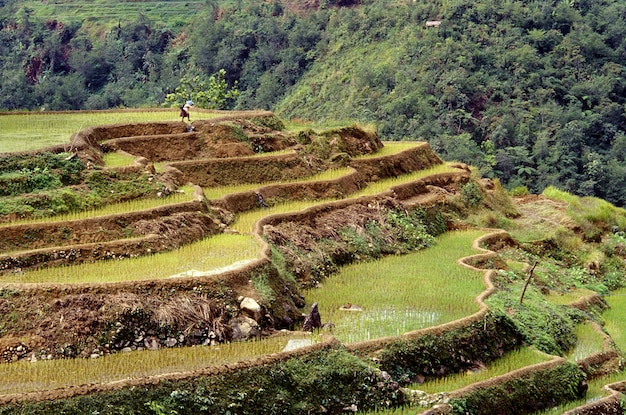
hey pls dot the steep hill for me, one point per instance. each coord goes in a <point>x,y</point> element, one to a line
<point>530,92</point>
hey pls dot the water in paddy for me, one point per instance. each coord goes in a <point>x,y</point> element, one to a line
<point>397,294</point>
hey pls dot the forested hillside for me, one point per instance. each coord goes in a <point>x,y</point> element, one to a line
<point>532,92</point>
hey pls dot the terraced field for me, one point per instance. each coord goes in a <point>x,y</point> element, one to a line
<point>154,291</point>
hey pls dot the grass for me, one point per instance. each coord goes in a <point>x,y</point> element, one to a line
<point>398,294</point>
<point>32,131</point>
<point>107,13</point>
<point>385,184</point>
<point>27,376</point>
<point>214,253</point>
<point>514,360</point>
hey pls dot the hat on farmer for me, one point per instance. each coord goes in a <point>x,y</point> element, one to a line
<point>190,102</point>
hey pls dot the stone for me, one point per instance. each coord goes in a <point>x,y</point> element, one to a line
<point>250,307</point>
<point>245,328</point>
<point>152,343</point>
<point>294,344</point>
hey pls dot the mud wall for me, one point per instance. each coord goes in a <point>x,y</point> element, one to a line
<point>156,148</point>
<point>81,231</point>
<point>220,172</point>
<point>418,158</point>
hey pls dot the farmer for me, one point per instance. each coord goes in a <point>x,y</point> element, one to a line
<point>185,109</point>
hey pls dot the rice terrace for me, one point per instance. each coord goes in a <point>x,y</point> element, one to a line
<point>243,264</point>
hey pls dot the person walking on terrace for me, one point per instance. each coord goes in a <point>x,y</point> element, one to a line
<point>185,110</point>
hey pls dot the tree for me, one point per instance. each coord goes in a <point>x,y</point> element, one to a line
<point>210,94</point>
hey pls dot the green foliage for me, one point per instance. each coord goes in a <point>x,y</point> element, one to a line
<point>519,191</point>
<point>472,194</point>
<point>325,381</point>
<point>527,394</point>
<point>213,93</point>
<point>454,351</point>
<point>548,327</point>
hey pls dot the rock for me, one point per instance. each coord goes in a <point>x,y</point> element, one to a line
<point>250,307</point>
<point>245,328</point>
<point>152,343</point>
<point>171,342</point>
<point>313,320</point>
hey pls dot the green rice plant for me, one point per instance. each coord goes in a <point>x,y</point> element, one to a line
<point>118,159</point>
<point>218,192</point>
<point>213,254</point>
<point>383,185</point>
<point>398,294</point>
<point>29,376</point>
<point>615,317</point>
<point>244,222</point>
<point>517,359</point>
<point>392,147</point>
<point>569,296</point>
<point>185,194</point>
<point>32,131</point>
<point>588,342</point>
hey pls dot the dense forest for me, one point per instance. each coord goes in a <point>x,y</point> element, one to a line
<point>532,92</point>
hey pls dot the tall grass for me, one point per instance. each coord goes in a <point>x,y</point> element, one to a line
<point>31,131</point>
<point>615,325</point>
<point>27,376</point>
<point>215,253</point>
<point>398,294</point>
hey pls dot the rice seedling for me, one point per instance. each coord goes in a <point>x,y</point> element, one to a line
<point>244,222</point>
<point>118,159</point>
<point>32,376</point>
<point>216,253</point>
<point>615,317</point>
<point>391,148</point>
<point>31,131</point>
<point>513,360</point>
<point>184,195</point>
<point>589,341</point>
<point>568,297</point>
<point>383,185</point>
<point>218,192</point>
<point>397,294</point>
